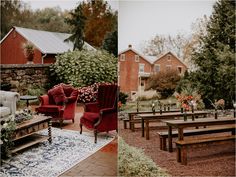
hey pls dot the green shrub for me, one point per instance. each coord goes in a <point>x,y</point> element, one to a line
<point>123,97</point>
<point>133,162</point>
<point>83,68</point>
<point>164,82</point>
<point>36,90</point>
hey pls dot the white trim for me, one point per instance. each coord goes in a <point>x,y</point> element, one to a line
<point>6,35</point>
<point>122,57</point>
<point>143,65</point>
<point>154,68</point>
<point>168,57</point>
<point>168,66</point>
<point>136,53</point>
<point>171,54</point>
<point>178,66</point>
<point>136,58</point>
<point>21,35</point>
<point>29,40</point>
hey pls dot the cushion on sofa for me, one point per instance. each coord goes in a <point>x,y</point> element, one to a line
<point>58,94</point>
<point>5,111</point>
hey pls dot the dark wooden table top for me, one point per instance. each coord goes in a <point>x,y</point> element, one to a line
<point>35,120</point>
<point>200,121</point>
<point>170,114</point>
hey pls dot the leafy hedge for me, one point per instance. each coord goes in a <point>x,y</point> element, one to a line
<point>83,68</point>
<point>133,162</point>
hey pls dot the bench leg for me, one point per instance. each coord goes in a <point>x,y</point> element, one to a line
<point>164,144</point>
<point>125,124</point>
<point>147,129</point>
<point>184,155</point>
<point>161,142</point>
<point>178,154</point>
<point>132,126</point>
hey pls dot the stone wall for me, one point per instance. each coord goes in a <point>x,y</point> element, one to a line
<point>21,77</point>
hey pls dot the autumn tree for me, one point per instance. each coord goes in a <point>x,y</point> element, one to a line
<point>163,82</point>
<point>100,21</point>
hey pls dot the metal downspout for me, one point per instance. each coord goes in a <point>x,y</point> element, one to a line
<point>43,58</point>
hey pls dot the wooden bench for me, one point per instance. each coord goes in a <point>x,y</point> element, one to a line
<point>183,144</point>
<point>164,135</point>
<point>125,122</point>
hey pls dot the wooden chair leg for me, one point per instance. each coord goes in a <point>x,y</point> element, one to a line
<point>95,136</point>
<point>61,122</point>
<point>73,120</point>
<point>80,128</point>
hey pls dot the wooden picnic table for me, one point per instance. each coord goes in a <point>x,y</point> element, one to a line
<point>146,118</point>
<point>181,124</point>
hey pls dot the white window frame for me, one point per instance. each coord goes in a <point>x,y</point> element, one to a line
<point>155,65</point>
<point>139,66</point>
<point>122,57</point>
<point>181,69</point>
<point>136,58</point>
<point>168,66</point>
<point>168,57</point>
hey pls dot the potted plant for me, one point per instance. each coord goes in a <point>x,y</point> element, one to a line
<point>28,49</point>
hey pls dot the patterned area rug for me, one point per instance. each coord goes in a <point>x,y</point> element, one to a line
<point>49,160</point>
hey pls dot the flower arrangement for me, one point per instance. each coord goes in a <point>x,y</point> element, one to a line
<point>23,115</point>
<point>28,49</point>
<point>189,101</point>
<point>185,101</point>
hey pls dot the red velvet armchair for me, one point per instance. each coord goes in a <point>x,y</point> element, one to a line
<point>60,103</point>
<point>101,116</point>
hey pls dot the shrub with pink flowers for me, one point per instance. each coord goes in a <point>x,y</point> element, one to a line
<point>89,93</point>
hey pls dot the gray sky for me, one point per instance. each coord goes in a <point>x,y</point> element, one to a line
<point>63,4</point>
<point>139,21</point>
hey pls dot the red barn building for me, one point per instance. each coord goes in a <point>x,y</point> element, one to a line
<point>47,45</point>
<point>134,69</point>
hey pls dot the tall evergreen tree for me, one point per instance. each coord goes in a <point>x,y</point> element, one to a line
<point>215,59</point>
<point>110,43</point>
<point>77,21</point>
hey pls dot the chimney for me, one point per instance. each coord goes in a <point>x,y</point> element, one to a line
<point>130,46</point>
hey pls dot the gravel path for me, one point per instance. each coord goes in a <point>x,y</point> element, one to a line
<point>206,160</point>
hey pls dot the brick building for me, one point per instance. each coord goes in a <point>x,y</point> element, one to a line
<point>135,68</point>
<point>47,45</point>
